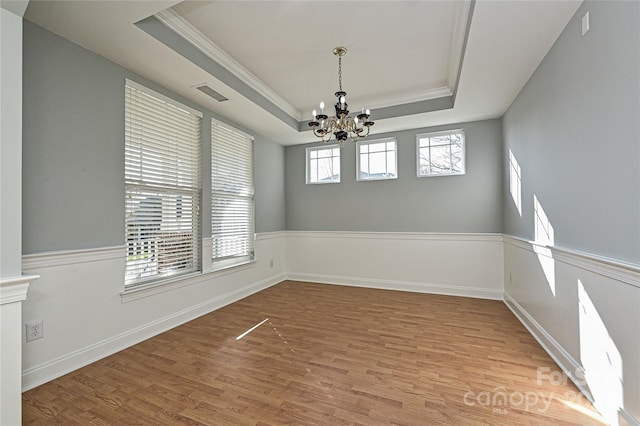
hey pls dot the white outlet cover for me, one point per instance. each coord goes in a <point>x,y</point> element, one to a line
<point>34,330</point>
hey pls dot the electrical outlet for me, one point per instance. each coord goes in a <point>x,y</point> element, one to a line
<point>271,263</point>
<point>35,330</point>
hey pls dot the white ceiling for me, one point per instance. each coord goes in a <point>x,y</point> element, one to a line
<point>288,45</point>
<point>399,52</point>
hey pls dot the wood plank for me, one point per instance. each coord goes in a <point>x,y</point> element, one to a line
<point>327,355</point>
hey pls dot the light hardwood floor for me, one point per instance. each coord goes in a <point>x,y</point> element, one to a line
<point>327,355</point>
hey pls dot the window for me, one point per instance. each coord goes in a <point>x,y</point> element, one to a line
<point>232,225</point>
<point>323,164</point>
<point>162,186</point>
<point>441,154</point>
<point>377,159</point>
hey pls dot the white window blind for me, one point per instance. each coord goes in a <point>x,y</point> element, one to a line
<point>162,186</point>
<point>232,220</point>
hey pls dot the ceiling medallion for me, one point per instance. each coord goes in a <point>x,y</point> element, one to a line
<point>342,126</point>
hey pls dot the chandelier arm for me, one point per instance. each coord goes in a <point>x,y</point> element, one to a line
<point>366,134</point>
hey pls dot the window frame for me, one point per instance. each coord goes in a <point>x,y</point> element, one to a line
<point>247,193</point>
<point>144,153</point>
<point>360,143</point>
<point>441,133</point>
<point>308,163</point>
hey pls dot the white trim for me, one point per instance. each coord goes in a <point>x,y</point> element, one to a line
<point>136,293</point>
<point>270,235</point>
<point>308,161</point>
<point>416,287</point>
<point>130,294</point>
<point>60,366</point>
<point>162,97</point>
<point>427,236</point>
<point>191,34</point>
<point>457,42</point>
<point>628,417</point>
<point>360,143</point>
<point>207,250</point>
<point>564,360</point>
<point>624,272</point>
<point>408,98</point>
<point>14,289</point>
<point>71,257</point>
<point>610,268</point>
<point>187,31</point>
<point>443,132</point>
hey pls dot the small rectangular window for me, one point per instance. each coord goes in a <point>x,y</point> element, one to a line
<point>441,153</point>
<point>377,159</point>
<point>323,164</point>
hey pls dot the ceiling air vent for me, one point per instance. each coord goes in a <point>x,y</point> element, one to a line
<point>209,91</point>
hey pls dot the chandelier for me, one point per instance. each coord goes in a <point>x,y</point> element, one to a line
<point>342,126</point>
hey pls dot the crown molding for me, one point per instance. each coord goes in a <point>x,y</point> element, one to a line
<point>190,33</point>
<point>184,29</point>
<point>408,98</point>
<point>461,22</point>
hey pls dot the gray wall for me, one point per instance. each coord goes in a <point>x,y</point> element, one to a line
<point>467,203</point>
<point>269,185</point>
<point>73,150</point>
<point>574,131</point>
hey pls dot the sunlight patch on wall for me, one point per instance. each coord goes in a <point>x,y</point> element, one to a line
<point>600,358</point>
<point>544,239</point>
<point>515,182</point>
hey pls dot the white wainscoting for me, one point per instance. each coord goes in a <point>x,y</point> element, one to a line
<point>85,317</point>
<point>585,311</point>
<point>453,264</point>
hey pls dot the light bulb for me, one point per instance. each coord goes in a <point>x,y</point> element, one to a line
<point>368,112</point>
<point>342,100</point>
<point>321,107</point>
<point>313,114</point>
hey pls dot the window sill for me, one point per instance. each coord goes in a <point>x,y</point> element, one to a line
<point>158,287</point>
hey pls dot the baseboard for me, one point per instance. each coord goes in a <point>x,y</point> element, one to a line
<point>564,360</point>
<point>60,366</point>
<point>416,287</point>
<point>625,414</point>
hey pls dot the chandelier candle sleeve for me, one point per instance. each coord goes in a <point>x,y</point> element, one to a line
<point>342,126</point>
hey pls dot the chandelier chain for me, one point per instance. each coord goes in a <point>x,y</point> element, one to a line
<point>340,72</point>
